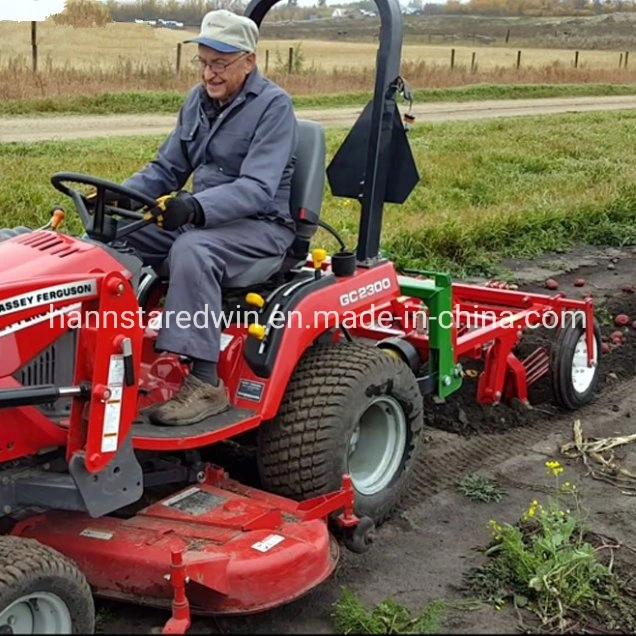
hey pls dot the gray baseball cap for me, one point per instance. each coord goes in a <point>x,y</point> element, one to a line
<point>227,32</point>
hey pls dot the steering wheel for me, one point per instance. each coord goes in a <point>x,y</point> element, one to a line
<point>102,223</point>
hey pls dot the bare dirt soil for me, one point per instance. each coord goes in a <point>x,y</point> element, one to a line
<point>29,129</point>
<point>423,553</point>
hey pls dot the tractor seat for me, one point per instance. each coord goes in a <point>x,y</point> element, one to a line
<point>307,189</point>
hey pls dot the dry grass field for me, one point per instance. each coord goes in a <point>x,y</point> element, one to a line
<point>330,57</point>
<point>105,47</point>
<point>133,57</point>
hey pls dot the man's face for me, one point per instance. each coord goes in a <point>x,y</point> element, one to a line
<point>224,84</point>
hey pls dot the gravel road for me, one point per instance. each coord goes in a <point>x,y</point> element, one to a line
<point>39,128</point>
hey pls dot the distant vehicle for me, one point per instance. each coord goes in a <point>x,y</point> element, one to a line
<point>168,24</point>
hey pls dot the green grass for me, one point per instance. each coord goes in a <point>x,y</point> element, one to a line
<point>479,488</point>
<point>168,102</point>
<point>488,189</point>
<point>388,617</point>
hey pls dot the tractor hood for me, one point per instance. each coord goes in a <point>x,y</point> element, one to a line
<point>45,275</point>
<point>44,254</point>
<point>43,271</point>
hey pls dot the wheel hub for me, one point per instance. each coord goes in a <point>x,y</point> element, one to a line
<point>36,613</point>
<point>377,445</point>
<point>582,374</point>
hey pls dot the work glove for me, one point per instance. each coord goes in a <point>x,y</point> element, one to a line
<point>171,212</point>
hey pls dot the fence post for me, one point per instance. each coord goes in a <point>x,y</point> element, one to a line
<point>518,59</point>
<point>34,45</point>
<point>452,58</point>
<point>576,59</point>
<point>290,64</point>
<point>507,36</point>
<point>626,58</point>
<point>178,57</point>
<point>472,61</point>
<point>266,59</point>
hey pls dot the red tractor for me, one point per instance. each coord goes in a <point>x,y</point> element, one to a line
<point>326,360</point>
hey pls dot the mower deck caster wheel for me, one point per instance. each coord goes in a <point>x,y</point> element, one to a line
<point>359,538</point>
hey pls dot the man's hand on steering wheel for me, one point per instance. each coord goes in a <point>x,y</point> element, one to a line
<point>173,211</point>
<point>110,199</point>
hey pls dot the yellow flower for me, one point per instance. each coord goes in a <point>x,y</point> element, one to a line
<point>532,510</point>
<point>495,529</point>
<point>554,468</point>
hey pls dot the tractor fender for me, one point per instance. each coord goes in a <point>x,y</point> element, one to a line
<point>303,313</point>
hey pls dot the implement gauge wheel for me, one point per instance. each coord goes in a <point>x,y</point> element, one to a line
<point>348,408</point>
<point>574,384</point>
<point>41,591</point>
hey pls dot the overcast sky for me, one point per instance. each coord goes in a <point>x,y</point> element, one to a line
<point>29,9</point>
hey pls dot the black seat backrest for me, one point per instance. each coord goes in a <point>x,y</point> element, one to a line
<point>308,183</point>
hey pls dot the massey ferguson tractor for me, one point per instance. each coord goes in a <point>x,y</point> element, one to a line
<point>95,501</point>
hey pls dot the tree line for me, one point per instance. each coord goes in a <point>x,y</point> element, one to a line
<point>525,7</point>
<point>190,12</point>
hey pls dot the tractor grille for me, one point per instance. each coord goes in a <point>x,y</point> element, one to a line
<point>42,370</point>
<point>47,242</point>
<point>53,366</point>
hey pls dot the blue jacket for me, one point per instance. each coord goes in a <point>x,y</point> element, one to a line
<point>241,164</point>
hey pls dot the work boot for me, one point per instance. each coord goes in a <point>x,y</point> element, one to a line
<point>194,401</point>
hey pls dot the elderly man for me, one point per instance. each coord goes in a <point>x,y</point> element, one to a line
<point>236,135</point>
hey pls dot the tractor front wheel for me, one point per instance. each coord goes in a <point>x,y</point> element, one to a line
<point>348,409</point>
<point>10,232</point>
<point>41,591</point>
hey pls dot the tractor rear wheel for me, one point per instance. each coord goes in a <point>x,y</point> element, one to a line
<point>574,383</point>
<point>348,408</point>
<point>41,591</point>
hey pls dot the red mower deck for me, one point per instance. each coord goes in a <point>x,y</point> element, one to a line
<point>217,547</point>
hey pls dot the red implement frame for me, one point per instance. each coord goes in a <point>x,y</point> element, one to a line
<point>502,316</point>
<point>483,324</point>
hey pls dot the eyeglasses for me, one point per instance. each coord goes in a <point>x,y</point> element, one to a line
<point>216,67</point>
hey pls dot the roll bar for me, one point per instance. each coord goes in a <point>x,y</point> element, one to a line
<point>379,135</point>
